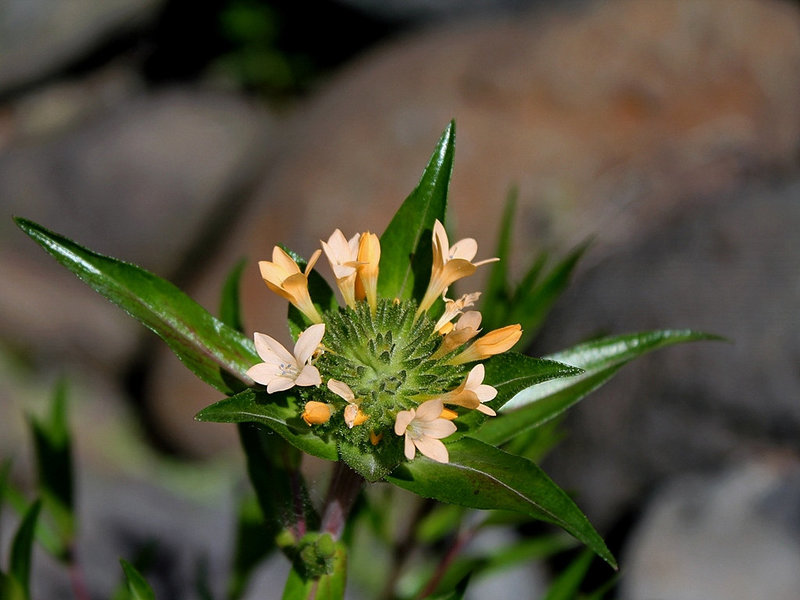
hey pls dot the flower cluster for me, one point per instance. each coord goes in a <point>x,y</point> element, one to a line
<point>389,366</point>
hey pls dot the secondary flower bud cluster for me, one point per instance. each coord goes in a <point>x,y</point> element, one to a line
<point>381,367</point>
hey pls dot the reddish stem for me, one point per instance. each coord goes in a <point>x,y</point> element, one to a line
<point>342,493</point>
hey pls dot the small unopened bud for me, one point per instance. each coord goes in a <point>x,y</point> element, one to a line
<point>316,413</point>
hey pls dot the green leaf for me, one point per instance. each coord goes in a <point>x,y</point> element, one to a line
<point>326,587</point>
<point>482,476</point>
<point>213,351</point>
<point>497,560</point>
<point>568,583</point>
<point>406,245</point>
<point>599,359</point>
<point>230,306</point>
<point>137,585</point>
<point>46,534</point>
<point>280,412</point>
<point>509,373</point>
<point>53,445</point>
<point>496,296</point>
<point>530,303</point>
<point>457,593</point>
<point>10,589</point>
<point>22,548</point>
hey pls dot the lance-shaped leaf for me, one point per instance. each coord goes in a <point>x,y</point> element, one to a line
<point>53,445</point>
<point>230,310</point>
<point>482,476</point>
<point>509,373</point>
<point>599,359</point>
<point>538,292</point>
<point>406,245</point>
<point>568,583</point>
<point>22,549</point>
<point>206,346</point>
<point>138,587</point>
<point>496,296</point>
<point>280,412</point>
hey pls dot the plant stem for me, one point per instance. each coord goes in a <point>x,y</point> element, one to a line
<point>462,539</point>
<point>342,493</point>
<point>76,578</point>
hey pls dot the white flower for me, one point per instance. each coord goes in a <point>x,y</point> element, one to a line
<point>450,263</point>
<point>453,308</point>
<point>472,392</point>
<point>424,428</point>
<point>284,277</point>
<point>343,257</point>
<point>282,370</point>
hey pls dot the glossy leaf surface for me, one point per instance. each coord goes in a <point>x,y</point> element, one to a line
<point>217,354</point>
<point>509,373</point>
<point>482,476</point>
<point>280,412</point>
<point>406,245</point>
<point>599,360</point>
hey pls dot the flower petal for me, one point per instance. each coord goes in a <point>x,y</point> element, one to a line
<point>440,428</point>
<point>430,410</point>
<point>271,350</point>
<point>280,383</point>
<point>401,421</point>
<point>341,389</point>
<point>409,449</point>
<point>308,376</point>
<point>433,449</point>
<point>284,261</point>
<point>308,342</point>
<point>264,373</point>
<point>475,377</point>
<point>486,410</point>
<point>466,249</point>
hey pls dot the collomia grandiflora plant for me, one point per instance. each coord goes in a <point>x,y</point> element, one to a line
<point>396,378</point>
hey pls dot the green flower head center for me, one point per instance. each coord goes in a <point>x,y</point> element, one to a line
<point>386,360</point>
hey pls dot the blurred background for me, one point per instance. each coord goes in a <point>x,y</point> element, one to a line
<point>183,136</point>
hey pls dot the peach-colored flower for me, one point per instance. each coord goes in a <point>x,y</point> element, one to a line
<point>466,328</point>
<point>369,256</point>
<point>453,308</point>
<point>352,413</point>
<point>423,429</point>
<point>343,256</point>
<point>472,392</point>
<point>450,263</point>
<point>283,276</point>
<point>494,342</point>
<point>316,413</point>
<point>281,369</point>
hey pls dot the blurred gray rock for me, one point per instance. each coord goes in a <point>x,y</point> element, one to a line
<point>182,539</point>
<point>37,37</point>
<point>151,181</point>
<point>730,536</point>
<point>727,265</point>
